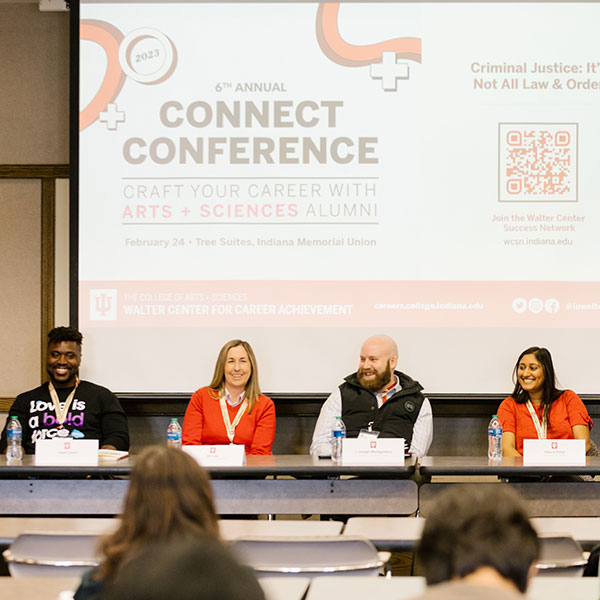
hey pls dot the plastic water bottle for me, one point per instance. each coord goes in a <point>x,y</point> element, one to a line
<point>338,433</point>
<point>495,438</point>
<point>14,439</point>
<point>174,434</point>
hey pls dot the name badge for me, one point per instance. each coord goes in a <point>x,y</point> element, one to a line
<point>547,453</point>
<point>59,452</point>
<point>222,455</point>
<point>373,451</point>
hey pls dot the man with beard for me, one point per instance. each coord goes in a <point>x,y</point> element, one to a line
<point>377,398</point>
<point>66,406</point>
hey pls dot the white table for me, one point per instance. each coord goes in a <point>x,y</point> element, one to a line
<point>563,588</point>
<point>394,534</point>
<point>49,588</point>
<point>586,530</point>
<point>401,534</point>
<point>404,588</point>
<point>37,588</point>
<point>360,588</point>
<point>232,529</point>
<point>284,588</point>
<point>11,527</point>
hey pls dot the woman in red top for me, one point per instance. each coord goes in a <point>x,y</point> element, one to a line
<point>231,410</point>
<point>537,409</point>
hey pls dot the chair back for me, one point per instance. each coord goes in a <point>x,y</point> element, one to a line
<point>52,554</point>
<point>560,556</point>
<point>308,556</point>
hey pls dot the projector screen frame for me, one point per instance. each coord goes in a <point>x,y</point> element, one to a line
<point>465,399</point>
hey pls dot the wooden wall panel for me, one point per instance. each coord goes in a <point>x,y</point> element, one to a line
<point>34,70</point>
<point>20,282</point>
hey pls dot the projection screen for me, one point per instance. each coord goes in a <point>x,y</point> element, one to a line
<point>303,175</point>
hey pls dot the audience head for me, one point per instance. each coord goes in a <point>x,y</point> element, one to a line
<point>378,359</point>
<point>169,497</point>
<point>236,369</point>
<point>476,526</point>
<point>199,569</point>
<point>534,373</point>
<point>63,356</point>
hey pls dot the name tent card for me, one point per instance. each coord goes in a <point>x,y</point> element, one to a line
<point>59,452</point>
<point>378,451</point>
<point>548,453</point>
<point>221,455</point>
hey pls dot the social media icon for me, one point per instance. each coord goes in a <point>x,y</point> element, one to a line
<point>519,305</point>
<point>536,305</point>
<point>552,306</point>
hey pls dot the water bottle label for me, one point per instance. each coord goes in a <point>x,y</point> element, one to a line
<point>11,433</point>
<point>173,435</point>
<point>337,433</point>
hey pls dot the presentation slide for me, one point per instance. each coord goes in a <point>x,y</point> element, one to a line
<point>306,174</point>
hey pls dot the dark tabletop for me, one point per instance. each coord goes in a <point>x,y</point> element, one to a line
<point>256,466</point>
<point>508,467</point>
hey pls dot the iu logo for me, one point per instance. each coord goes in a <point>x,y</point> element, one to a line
<point>213,450</point>
<point>373,444</point>
<point>103,305</point>
<point>67,445</point>
<point>554,445</point>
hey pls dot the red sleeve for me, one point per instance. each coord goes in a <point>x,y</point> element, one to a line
<point>507,415</point>
<point>264,433</point>
<point>578,414</point>
<point>193,421</point>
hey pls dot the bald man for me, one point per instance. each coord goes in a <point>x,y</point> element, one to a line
<point>377,398</point>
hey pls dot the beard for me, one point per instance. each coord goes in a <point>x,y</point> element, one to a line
<point>381,379</point>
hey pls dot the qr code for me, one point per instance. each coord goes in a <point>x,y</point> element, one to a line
<point>537,162</point>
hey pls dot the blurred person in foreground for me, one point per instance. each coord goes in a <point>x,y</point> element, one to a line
<point>185,570</point>
<point>477,543</point>
<point>169,498</point>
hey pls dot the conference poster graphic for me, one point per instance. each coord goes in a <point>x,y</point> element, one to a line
<point>338,163</point>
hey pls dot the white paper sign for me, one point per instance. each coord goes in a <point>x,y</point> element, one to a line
<point>378,451</point>
<point>548,453</point>
<point>225,455</point>
<point>59,452</point>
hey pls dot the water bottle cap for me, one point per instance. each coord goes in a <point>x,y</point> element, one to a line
<point>173,418</point>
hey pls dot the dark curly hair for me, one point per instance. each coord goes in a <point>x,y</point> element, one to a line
<point>474,526</point>
<point>65,334</point>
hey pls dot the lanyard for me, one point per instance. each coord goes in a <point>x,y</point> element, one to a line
<point>388,392</point>
<point>61,413</point>
<point>540,428</point>
<point>229,426</point>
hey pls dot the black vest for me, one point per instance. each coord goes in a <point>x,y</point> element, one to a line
<point>395,418</point>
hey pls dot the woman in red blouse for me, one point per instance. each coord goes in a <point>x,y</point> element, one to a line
<point>537,409</point>
<point>231,410</point>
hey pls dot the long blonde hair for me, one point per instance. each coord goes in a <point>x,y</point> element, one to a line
<point>217,384</point>
<point>170,496</point>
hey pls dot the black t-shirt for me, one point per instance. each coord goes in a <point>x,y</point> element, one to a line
<point>95,413</point>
